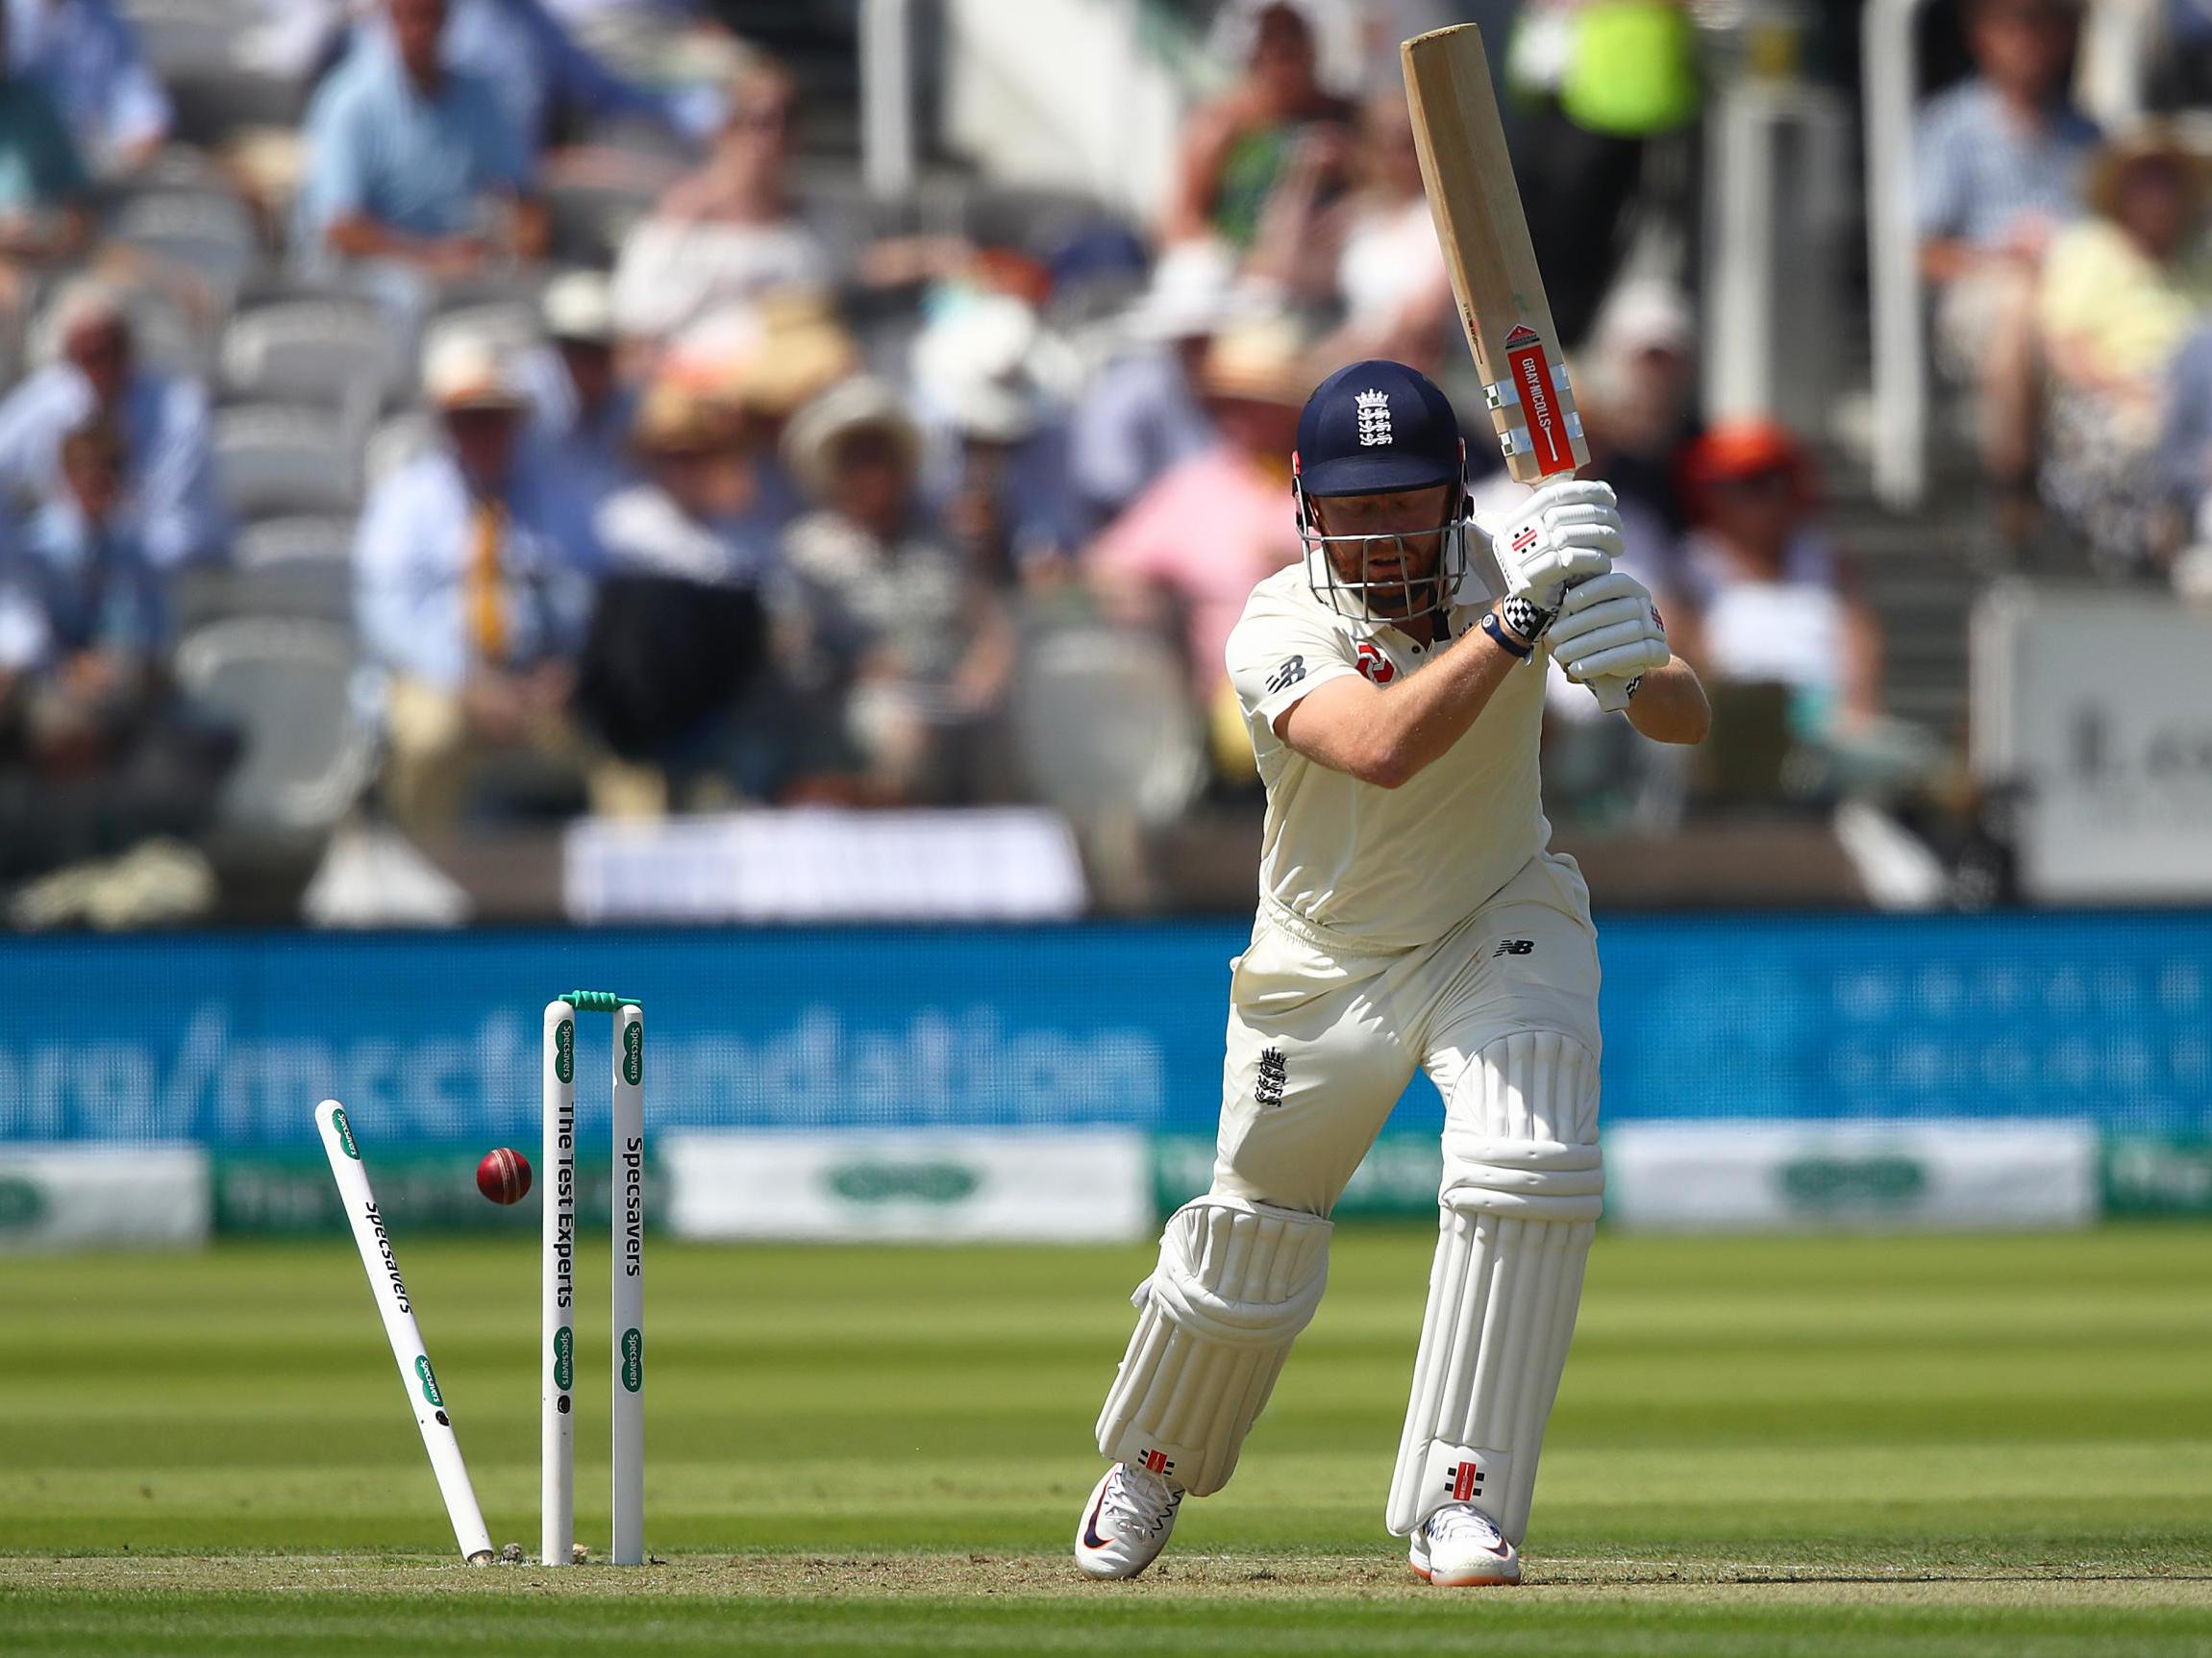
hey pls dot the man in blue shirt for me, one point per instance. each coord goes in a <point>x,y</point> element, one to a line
<point>84,54</point>
<point>581,407</point>
<point>97,751</point>
<point>80,584</point>
<point>44,192</point>
<point>473,568</point>
<point>416,168</point>
<point>164,422</point>
<point>1998,164</point>
<point>537,67</point>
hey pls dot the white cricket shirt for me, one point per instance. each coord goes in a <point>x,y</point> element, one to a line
<point>1391,868</point>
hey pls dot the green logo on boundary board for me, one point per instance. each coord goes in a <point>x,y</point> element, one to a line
<point>21,1204</point>
<point>429,1382</point>
<point>345,1133</point>
<point>1830,1185</point>
<point>564,1358</point>
<point>564,1051</point>
<point>888,1182</point>
<point>633,1054</point>
<point>633,1360</point>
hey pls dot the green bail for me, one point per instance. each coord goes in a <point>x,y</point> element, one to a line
<point>600,1002</point>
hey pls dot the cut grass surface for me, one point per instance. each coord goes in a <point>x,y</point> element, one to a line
<point>1949,1446</point>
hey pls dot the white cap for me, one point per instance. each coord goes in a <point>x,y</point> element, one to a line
<point>1192,293</point>
<point>580,305</point>
<point>1643,313</point>
<point>468,370</point>
<point>973,365</point>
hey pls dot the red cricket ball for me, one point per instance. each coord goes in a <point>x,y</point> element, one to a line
<point>504,1176</point>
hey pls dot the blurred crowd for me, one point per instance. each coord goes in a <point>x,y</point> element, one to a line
<point>644,484</point>
<point>2074,295</point>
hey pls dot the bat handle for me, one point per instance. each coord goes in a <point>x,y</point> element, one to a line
<point>1611,692</point>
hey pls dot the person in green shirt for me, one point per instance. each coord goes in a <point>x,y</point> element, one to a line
<point>1236,147</point>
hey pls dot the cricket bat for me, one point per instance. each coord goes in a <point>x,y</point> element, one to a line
<point>1484,234</point>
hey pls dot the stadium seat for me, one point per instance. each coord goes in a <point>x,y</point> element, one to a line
<point>506,313</point>
<point>168,336</point>
<point>589,221</point>
<point>289,685</point>
<point>1102,726</point>
<point>276,458</point>
<point>295,541</point>
<point>396,443</point>
<point>179,37</point>
<point>338,353</point>
<point>209,237</point>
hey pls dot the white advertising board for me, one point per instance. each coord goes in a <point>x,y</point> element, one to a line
<point>1090,1186</point>
<point>1871,1176</point>
<point>2097,708</point>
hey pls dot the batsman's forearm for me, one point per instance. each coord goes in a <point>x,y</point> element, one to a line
<point>1427,713</point>
<point>1670,706</point>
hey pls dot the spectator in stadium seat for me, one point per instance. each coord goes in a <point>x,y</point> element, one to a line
<point>730,232</point>
<point>1236,147</point>
<point>46,192</point>
<point>541,75</point>
<point>1998,160</point>
<point>1777,603</point>
<point>2121,290</point>
<point>86,54</point>
<point>678,634</point>
<point>84,581</point>
<point>1369,254</point>
<point>1140,412</point>
<point>97,752</point>
<point>1635,379</point>
<point>414,173</point>
<point>990,380</point>
<point>768,361</point>
<point>163,418</point>
<point>888,632</point>
<point>580,407</point>
<point>2184,458</point>
<point>1187,553</point>
<point>473,570</point>
<point>1778,607</point>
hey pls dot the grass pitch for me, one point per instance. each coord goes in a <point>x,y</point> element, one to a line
<point>1916,1447</point>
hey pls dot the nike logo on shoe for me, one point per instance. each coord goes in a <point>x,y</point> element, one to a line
<point>1091,1537</point>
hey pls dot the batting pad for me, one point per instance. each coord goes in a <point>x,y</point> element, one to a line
<point>1236,1281</point>
<point>1523,1185</point>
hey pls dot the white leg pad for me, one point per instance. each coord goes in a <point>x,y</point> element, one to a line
<point>1236,1281</point>
<point>1523,1186</point>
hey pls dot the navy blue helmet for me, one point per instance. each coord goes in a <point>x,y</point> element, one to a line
<point>1375,428</point>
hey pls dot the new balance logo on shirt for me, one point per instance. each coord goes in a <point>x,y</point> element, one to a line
<point>1513,947</point>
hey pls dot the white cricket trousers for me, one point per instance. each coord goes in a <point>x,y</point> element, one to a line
<point>1325,1035</point>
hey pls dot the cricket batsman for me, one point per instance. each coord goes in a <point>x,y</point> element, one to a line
<point>1411,916</point>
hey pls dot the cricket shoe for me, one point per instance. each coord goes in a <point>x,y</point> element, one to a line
<point>1126,1524</point>
<point>1460,1547</point>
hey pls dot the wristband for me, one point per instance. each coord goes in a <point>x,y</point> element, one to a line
<point>1506,642</point>
<point>1526,618</point>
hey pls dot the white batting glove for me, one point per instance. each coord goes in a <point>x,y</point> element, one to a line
<point>1569,532</point>
<point>1609,629</point>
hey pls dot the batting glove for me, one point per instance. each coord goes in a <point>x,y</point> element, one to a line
<point>1608,628</point>
<point>1569,532</point>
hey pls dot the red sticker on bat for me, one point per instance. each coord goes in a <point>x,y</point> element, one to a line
<point>1531,371</point>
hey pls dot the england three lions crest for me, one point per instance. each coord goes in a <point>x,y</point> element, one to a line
<point>1374,418</point>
